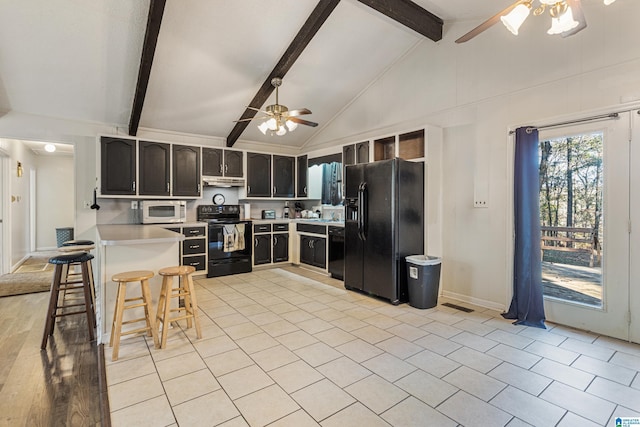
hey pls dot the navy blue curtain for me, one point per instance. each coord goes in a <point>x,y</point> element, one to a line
<point>527,307</point>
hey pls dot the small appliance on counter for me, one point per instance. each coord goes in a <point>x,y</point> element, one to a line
<point>268,214</point>
<point>285,211</point>
<point>163,211</point>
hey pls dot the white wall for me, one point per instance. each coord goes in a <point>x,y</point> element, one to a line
<point>476,92</point>
<point>55,207</point>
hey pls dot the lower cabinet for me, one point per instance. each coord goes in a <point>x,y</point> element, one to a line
<point>270,243</point>
<point>313,251</point>
<point>193,250</point>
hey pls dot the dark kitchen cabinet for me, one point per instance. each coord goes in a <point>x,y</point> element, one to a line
<point>313,251</point>
<point>154,169</point>
<point>258,175</point>
<point>186,170</point>
<point>355,153</point>
<point>302,173</point>
<point>218,162</point>
<point>362,152</point>
<point>261,249</point>
<point>280,247</point>
<point>283,176</point>
<point>212,162</point>
<point>349,155</point>
<point>118,163</point>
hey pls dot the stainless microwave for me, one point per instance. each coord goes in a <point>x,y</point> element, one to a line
<point>163,211</point>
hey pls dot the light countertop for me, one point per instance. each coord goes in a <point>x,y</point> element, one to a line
<point>135,234</point>
<point>316,221</point>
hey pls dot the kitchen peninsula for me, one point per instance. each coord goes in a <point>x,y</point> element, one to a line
<point>130,247</point>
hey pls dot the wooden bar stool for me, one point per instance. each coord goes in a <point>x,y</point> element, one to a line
<point>185,290</point>
<point>121,305</point>
<point>59,285</point>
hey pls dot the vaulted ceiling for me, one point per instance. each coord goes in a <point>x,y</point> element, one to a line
<point>81,61</point>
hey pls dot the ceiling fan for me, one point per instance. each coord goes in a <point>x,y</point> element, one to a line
<point>278,119</point>
<point>567,17</point>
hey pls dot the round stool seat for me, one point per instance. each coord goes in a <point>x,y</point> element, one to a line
<point>71,258</point>
<point>78,243</point>
<point>177,271</point>
<point>133,276</point>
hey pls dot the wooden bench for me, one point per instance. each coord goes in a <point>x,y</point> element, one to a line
<point>572,239</point>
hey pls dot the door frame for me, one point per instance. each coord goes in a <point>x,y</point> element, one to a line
<point>5,229</point>
<point>565,313</point>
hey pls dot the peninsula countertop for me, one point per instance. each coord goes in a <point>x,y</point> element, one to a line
<point>136,234</point>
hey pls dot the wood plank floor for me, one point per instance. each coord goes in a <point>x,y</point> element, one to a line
<point>61,386</point>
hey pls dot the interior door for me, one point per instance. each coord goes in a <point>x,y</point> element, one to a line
<point>612,317</point>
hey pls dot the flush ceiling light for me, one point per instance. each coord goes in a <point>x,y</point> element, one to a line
<point>50,148</point>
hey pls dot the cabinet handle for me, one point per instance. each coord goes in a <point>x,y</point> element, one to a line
<point>168,188</point>
<point>133,186</point>
<point>226,168</point>
<point>194,246</point>
<point>275,241</point>
<point>193,231</point>
<point>221,169</point>
<point>255,242</point>
<point>305,190</point>
<point>275,190</point>
<point>248,189</point>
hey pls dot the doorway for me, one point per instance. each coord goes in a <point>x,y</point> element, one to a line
<point>588,248</point>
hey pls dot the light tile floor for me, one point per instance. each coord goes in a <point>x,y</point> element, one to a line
<point>288,347</point>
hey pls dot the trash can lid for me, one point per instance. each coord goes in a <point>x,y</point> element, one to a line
<point>424,259</point>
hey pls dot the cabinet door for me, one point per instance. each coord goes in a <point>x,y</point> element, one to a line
<point>258,175</point>
<point>186,170</point>
<point>303,176</point>
<point>306,251</point>
<point>211,162</point>
<point>234,163</point>
<point>362,152</point>
<point>154,169</point>
<point>349,155</point>
<point>280,247</point>
<point>117,166</point>
<point>283,177</point>
<point>319,246</point>
<point>261,249</point>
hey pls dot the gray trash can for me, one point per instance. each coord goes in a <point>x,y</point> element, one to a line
<point>423,280</point>
<point>63,234</point>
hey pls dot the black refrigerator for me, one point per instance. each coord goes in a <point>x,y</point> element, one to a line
<point>384,223</point>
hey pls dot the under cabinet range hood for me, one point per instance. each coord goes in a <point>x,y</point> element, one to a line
<point>222,181</point>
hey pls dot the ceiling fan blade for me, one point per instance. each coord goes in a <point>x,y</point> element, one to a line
<point>303,122</point>
<point>299,112</point>
<point>252,118</point>
<point>256,109</point>
<point>578,15</point>
<point>488,23</point>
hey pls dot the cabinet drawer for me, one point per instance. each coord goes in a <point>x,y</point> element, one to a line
<point>262,228</point>
<point>198,261</point>
<point>194,246</point>
<point>312,228</point>
<point>281,227</point>
<point>193,231</point>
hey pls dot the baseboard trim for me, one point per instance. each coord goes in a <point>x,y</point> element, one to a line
<point>475,301</point>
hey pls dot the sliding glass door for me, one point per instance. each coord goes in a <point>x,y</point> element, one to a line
<point>586,180</point>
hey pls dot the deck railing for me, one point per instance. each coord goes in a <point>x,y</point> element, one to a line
<point>572,239</point>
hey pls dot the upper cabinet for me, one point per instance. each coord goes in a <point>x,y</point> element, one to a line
<point>219,162</point>
<point>118,161</point>
<point>270,176</point>
<point>155,169</point>
<point>302,174</point>
<point>283,176</point>
<point>355,153</point>
<point>187,179</point>
<point>160,169</point>
<point>258,175</point>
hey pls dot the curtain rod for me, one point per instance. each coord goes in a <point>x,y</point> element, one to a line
<point>571,122</point>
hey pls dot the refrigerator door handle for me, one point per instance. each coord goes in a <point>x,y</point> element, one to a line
<point>364,213</point>
<point>359,207</point>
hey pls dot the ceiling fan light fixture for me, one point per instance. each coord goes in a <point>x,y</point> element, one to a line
<point>282,130</point>
<point>608,2</point>
<point>263,127</point>
<point>562,23</point>
<point>291,125</point>
<point>514,19</point>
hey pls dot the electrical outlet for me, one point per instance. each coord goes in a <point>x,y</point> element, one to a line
<point>134,204</point>
<point>480,204</point>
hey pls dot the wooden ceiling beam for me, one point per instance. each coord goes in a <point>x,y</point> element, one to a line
<point>297,46</point>
<point>156,10</point>
<point>410,15</point>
